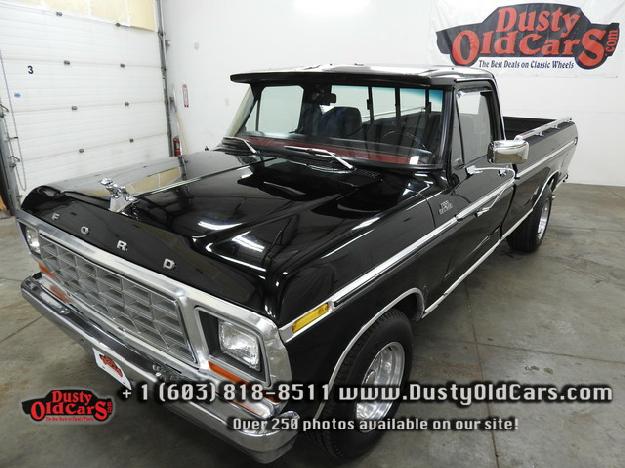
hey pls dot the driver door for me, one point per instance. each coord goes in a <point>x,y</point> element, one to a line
<point>479,192</point>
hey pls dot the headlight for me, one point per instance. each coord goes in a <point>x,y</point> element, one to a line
<point>32,239</point>
<point>239,344</point>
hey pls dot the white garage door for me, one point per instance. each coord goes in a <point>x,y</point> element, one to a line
<point>85,95</point>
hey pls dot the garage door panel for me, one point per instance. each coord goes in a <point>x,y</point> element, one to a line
<point>86,95</point>
<point>72,165</point>
<point>141,49</point>
<point>137,119</point>
<point>49,133</point>
<point>42,35</point>
<point>55,86</point>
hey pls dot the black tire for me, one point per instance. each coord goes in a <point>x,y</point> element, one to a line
<point>529,236</point>
<point>392,327</point>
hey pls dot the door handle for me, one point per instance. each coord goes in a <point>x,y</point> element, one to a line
<point>472,170</point>
<point>486,209</point>
<point>482,211</point>
<point>469,212</point>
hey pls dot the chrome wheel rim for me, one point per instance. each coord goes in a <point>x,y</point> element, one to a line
<point>544,218</point>
<point>386,369</point>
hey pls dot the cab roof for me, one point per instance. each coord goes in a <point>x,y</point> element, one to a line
<point>437,75</point>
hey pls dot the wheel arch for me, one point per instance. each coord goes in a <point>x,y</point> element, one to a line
<point>411,303</point>
<point>552,181</point>
<point>405,303</point>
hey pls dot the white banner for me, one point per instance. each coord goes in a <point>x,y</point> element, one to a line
<point>579,38</point>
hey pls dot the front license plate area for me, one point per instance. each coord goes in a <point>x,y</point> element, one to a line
<point>111,367</point>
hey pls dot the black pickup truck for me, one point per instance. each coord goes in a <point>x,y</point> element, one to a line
<point>345,202</point>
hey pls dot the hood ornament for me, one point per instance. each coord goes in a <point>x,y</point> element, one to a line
<point>120,198</point>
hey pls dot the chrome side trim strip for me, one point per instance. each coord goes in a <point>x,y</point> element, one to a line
<point>430,309</point>
<point>475,206</point>
<point>545,159</point>
<point>517,224</point>
<point>435,304</point>
<point>286,330</point>
<point>366,326</point>
<point>390,262</point>
<point>362,330</point>
<point>444,296</point>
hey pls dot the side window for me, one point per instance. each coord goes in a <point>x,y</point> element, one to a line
<point>475,124</point>
<point>280,108</point>
<point>412,100</point>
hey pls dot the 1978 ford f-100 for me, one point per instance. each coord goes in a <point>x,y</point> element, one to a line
<point>345,202</point>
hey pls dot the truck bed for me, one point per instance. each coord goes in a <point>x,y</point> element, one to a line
<point>551,147</point>
<point>514,126</point>
<point>545,137</point>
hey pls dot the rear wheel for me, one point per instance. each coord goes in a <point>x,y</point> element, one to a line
<point>382,356</point>
<point>529,236</point>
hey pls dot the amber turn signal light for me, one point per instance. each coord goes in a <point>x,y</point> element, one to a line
<point>310,317</point>
<point>225,373</point>
<point>44,269</point>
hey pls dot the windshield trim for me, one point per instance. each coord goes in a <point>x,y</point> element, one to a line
<point>344,150</point>
<point>269,144</point>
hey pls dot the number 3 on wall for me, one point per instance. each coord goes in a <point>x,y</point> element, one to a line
<point>30,69</point>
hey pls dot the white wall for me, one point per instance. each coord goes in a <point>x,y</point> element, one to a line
<point>209,40</point>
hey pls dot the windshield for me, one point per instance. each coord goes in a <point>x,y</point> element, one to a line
<point>397,125</point>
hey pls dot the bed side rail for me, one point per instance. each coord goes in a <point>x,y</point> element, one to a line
<point>540,130</point>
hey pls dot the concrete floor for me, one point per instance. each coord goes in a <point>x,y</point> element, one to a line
<point>553,317</point>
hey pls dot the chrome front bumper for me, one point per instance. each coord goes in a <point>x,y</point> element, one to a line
<point>264,446</point>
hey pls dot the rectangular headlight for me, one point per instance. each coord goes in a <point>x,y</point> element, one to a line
<point>32,239</point>
<point>239,344</point>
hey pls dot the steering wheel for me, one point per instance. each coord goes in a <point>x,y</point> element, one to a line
<point>394,137</point>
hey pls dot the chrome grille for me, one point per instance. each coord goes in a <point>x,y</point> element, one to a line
<point>146,314</point>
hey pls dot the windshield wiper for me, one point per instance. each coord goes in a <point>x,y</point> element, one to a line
<point>320,152</point>
<point>244,141</point>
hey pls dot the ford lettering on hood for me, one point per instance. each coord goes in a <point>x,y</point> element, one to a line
<point>225,223</point>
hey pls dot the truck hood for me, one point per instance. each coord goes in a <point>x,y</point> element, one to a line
<point>237,227</point>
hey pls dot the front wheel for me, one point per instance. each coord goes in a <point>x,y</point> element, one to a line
<point>529,236</point>
<point>382,356</point>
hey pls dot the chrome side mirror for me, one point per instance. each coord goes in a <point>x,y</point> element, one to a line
<point>508,151</point>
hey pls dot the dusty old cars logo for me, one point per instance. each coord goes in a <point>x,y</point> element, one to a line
<point>532,30</point>
<point>69,406</point>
